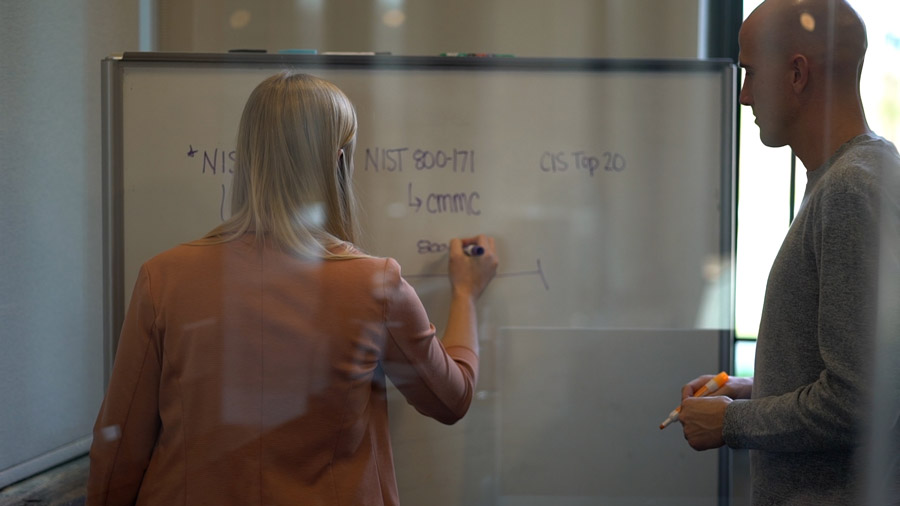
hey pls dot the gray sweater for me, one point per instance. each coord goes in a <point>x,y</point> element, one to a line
<point>804,420</point>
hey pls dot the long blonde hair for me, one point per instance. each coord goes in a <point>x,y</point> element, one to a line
<point>293,169</point>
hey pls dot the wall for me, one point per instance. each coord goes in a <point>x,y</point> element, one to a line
<point>562,28</point>
<point>51,355</point>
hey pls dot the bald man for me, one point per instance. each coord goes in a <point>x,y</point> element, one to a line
<point>803,414</point>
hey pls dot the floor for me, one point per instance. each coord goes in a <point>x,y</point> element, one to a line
<point>63,485</point>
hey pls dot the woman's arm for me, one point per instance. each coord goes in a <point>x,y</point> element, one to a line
<point>128,423</point>
<point>436,376</point>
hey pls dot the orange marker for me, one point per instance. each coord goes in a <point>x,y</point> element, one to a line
<point>710,387</point>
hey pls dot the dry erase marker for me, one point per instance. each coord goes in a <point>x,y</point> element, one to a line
<point>479,55</point>
<point>710,387</point>
<point>473,250</point>
<point>358,53</point>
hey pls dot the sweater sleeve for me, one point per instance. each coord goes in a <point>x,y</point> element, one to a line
<point>127,426</point>
<point>825,414</point>
<point>438,382</point>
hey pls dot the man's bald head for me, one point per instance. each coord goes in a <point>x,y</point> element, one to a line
<point>804,60</point>
<point>828,32</point>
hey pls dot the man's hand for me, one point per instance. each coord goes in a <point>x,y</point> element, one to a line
<point>702,419</point>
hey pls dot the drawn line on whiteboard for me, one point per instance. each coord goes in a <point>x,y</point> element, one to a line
<point>539,272</point>
<point>222,205</point>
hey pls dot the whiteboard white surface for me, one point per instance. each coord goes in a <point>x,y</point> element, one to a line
<point>566,417</point>
<point>582,426</point>
<point>606,186</point>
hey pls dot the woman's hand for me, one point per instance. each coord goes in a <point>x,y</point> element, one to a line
<point>470,275</point>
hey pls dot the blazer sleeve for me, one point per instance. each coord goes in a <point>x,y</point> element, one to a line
<point>438,382</point>
<point>128,423</point>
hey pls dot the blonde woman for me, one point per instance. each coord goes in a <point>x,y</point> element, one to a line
<point>251,365</point>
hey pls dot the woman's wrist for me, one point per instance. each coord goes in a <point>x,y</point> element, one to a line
<point>464,293</point>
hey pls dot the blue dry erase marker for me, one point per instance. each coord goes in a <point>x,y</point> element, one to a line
<point>473,250</point>
<point>298,51</point>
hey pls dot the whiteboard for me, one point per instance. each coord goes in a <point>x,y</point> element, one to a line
<point>607,184</point>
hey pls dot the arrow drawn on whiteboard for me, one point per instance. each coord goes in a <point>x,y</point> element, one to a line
<point>191,150</point>
<point>537,272</point>
<point>418,203</point>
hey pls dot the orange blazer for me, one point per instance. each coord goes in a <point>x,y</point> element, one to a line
<point>244,376</point>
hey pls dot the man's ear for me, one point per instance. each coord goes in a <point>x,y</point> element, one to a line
<point>799,73</point>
